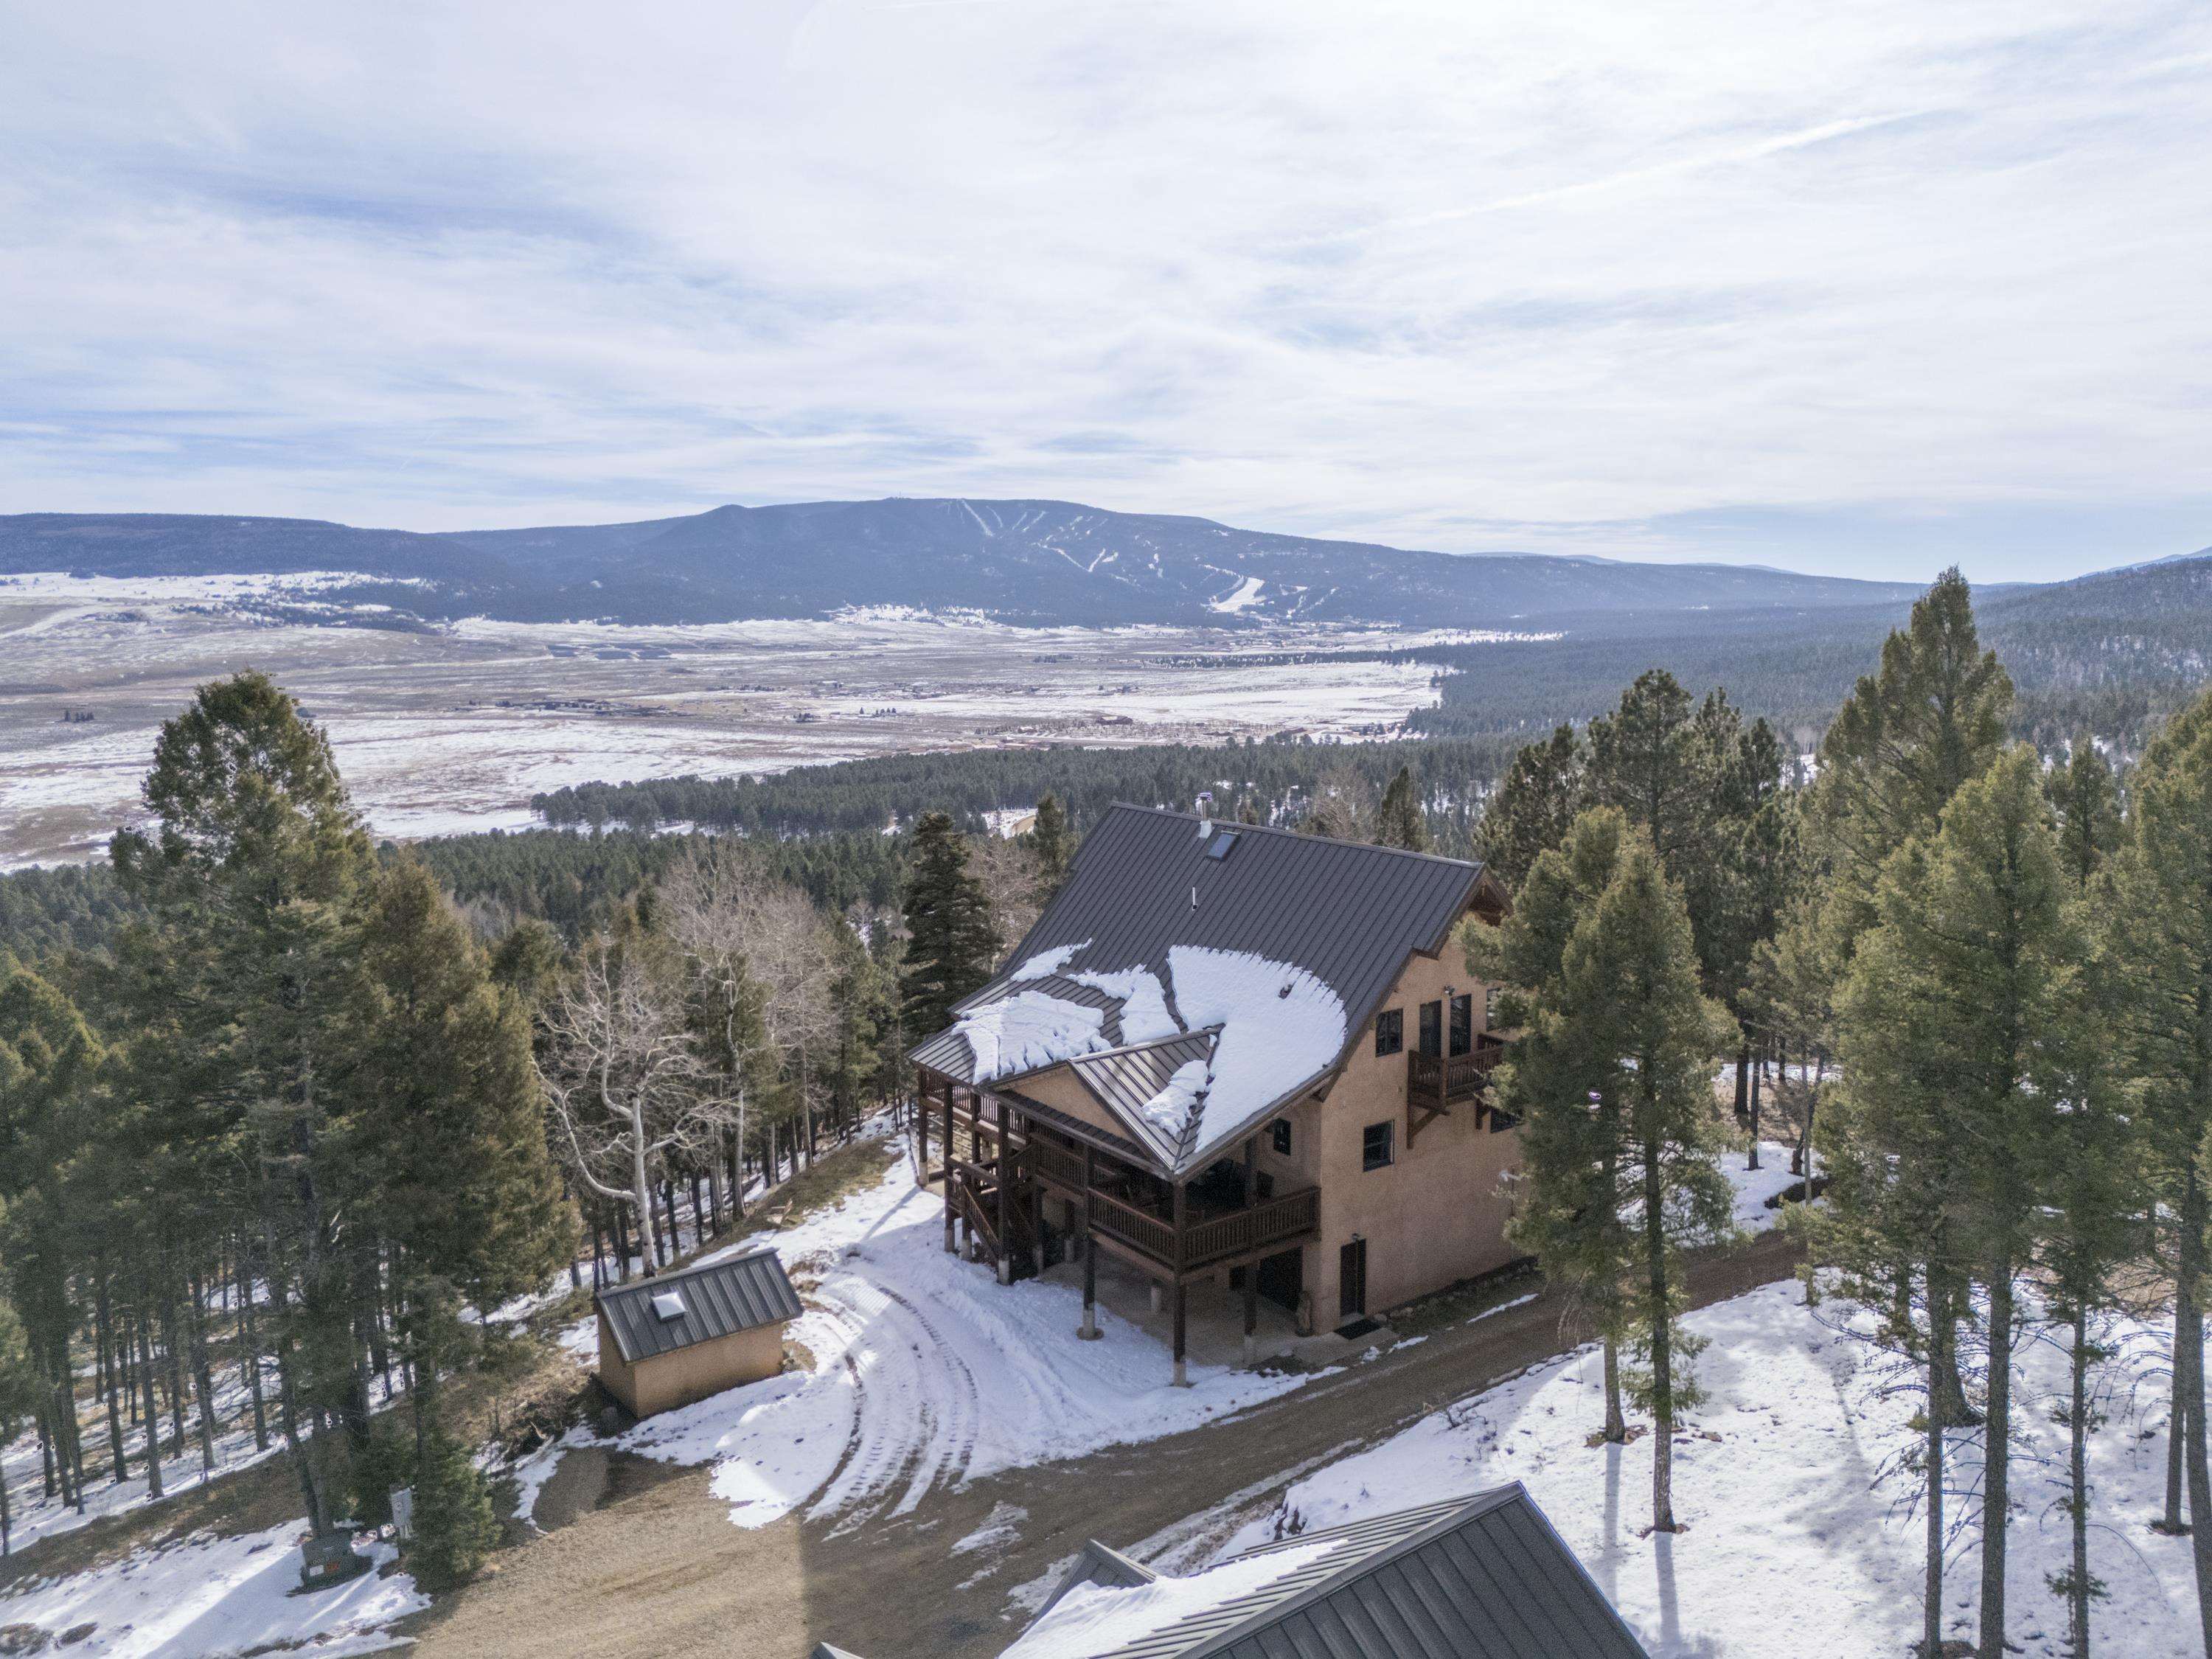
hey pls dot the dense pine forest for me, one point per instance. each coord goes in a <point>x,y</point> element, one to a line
<point>282,1106</point>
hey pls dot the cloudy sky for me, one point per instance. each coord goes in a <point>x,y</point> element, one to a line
<point>1856,286</point>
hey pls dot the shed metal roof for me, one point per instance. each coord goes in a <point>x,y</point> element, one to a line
<point>1483,1577</point>
<point>719,1298</point>
<point>1142,882</point>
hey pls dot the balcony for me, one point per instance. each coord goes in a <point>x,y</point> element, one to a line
<point>1206,1238</point>
<point>1438,1080</point>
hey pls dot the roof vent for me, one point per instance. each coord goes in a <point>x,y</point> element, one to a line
<point>668,1305</point>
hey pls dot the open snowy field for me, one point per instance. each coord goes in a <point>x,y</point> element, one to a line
<point>454,728</point>
<point>1791,1487</point>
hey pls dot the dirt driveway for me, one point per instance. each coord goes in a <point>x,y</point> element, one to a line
<point>654,1567</point>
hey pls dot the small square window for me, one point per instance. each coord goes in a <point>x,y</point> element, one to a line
<point>1279,1136</point>
<point>1391,1031</point>
<point>1375,1145</point>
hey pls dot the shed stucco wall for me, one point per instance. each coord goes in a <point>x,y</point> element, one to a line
<point>664,1382</point>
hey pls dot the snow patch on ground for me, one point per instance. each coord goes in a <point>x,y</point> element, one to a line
<point>216,1597</point>
<point>1791,1482</point>
<point>927,1372</point>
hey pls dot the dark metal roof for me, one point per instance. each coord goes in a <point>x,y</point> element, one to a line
<point>1096,1564</point>
<point>720,1298</point>
<point>1484,1577</point>
<point>1347,913</point>
<point>1123,1079</point>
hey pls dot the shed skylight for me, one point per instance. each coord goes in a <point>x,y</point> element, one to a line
<point>668,1305</point>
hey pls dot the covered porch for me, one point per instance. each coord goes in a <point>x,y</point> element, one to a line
<point>1032,1190</point>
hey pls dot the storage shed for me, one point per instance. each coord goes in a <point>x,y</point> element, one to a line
<point>667,1341</point>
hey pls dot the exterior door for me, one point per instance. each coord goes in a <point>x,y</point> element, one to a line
<point>1352,1280</point>
<point>1462,1024</point>
<point>1282,1277</point>
<point>1432,1029</point>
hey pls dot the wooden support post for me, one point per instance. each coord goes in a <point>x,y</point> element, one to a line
<point>1252,1313</point>
<point>1006,1200</point>
<point>949,1246</point>
<point>1181,1372</point>
<point>921,1123</point>
<point>1181,1298</point>
<point>1036,1206</point>
<point>1089,1330</point>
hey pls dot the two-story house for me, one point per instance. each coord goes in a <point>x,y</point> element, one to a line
<point>1226,1052</point>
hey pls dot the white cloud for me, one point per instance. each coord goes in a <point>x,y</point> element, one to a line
<point>1612,278</point>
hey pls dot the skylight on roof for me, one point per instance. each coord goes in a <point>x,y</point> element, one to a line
<point>1218,847</point>
<point>668,1305</point>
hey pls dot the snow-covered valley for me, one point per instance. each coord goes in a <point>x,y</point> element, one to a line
<point>453,728</point>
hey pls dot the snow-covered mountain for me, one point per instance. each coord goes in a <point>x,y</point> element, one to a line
<point>1025,561</point>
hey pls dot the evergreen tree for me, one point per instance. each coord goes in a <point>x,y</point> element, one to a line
<point>1628,993</point>
<point>1909,735</point>
<point>951,941</point>
<point>1566,1207</point>
<point>1961,1012</point>
<point>2161,941</point>
<point>1533,806</point>
<point>19,1393</point>
<point>2086,800</point>
<point>256,875</point>
<point>1050,841</point>
<point>1401,822</point>
<point>454,1525</point>
<point>449,1126</point>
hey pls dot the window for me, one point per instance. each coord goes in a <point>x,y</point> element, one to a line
<point>1489,1005</point>
<point>1278,1133</point>
<point>1501,1121</point>
<point>1432,1028</point>
<point>1375,1145</point>
<point>1391,1031</point>
<point>1462,1024</point>
<point>1221,845</point>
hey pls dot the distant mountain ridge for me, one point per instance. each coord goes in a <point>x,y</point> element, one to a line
<point>1033,562</point>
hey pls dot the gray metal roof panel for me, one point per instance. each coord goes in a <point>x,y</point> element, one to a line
<point>1483,1577</point>
<point>1123,1080</point>
<point>720,1298</point>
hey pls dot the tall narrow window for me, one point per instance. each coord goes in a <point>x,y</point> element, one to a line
<point>1432,1028</point>
<point>1374,1148</point>
<point>1391,1031</point>
<point>1279,1137</point>
<point>1463,1023</point>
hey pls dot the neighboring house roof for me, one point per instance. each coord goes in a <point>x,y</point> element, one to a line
<point>1275,947</point>
<point>714,1299</point>
<point>1481,1577</point>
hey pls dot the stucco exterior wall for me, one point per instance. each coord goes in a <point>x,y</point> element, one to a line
<point>1062,1091</point>
<point>1432,1216</point>
<point>669,1380</point>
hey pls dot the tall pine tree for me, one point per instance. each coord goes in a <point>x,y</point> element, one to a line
<point>951,941</point>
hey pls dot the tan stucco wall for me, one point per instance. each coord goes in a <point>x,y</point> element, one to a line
<point>1062,1091</point>
<point>1435,1215</point>
<point>669,1380</point>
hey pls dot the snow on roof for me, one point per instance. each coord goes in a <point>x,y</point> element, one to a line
<point>1029,1029</point>
<point>1275,1025</point>
<point>1094,1619</point>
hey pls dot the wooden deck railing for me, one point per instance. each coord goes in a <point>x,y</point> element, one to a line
<point>1237,1232</point>
<point>1242,1230</point>
<point>1053,1162</point>
<point>1452,1076</point>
